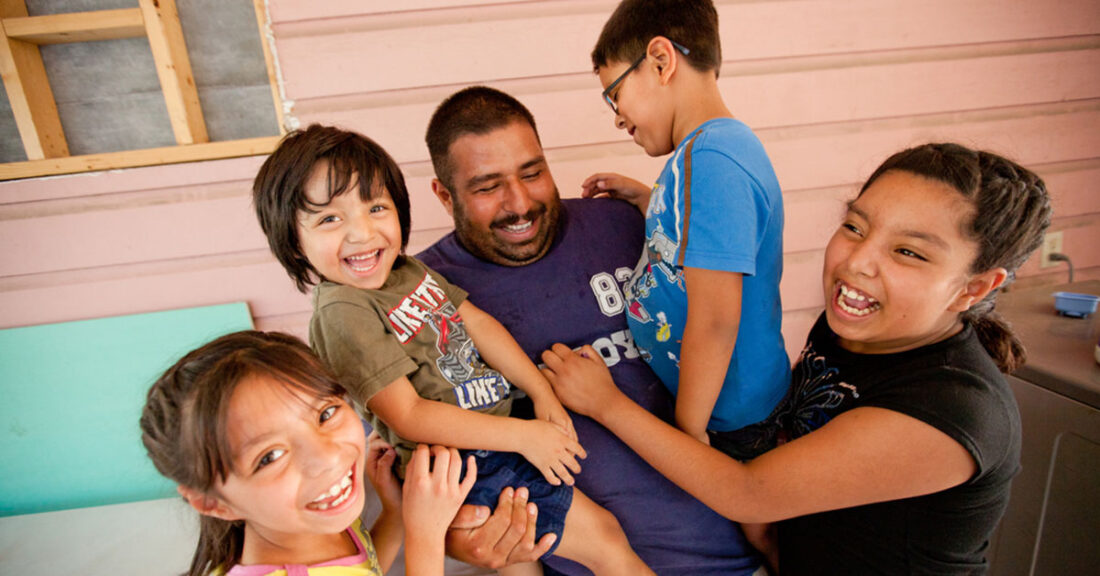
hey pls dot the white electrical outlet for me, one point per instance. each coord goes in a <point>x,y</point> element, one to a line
<point>1052,242</point>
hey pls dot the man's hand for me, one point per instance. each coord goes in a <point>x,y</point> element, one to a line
<point>507,537</point>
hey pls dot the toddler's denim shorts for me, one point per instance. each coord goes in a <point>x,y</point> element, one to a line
<point>499,470</point>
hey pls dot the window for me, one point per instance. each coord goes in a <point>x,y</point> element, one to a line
<point>101,84</point>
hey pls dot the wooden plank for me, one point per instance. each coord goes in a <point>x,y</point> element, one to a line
<point>162,24</point>
<point>140,180</point>
<point>29,92</point>
<point>301,10</point>
<point>790,93</point>
<point>266,41</point>
<point>134,158</point>
<point>81,294</point>
<point>501,43</point>
<point>77,26</point>
<point>198,221</point>
<point>179,223</point>
<point>1072,187</point>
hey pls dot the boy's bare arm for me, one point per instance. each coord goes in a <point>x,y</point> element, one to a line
<point>424,421</point>
<point>713,320</point>
<point>502,352</point>
<point>617,186</point>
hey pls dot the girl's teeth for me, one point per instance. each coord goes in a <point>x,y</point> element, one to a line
<point>846,293</point>
<point>343,485</point>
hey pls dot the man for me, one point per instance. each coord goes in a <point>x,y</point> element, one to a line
<point>551,271</point>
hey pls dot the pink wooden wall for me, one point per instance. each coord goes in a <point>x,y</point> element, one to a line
<point>831,86</point>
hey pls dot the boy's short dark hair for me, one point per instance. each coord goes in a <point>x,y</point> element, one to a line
<point>690,23</point>
<point>278,193</point>
<point>473,110</point>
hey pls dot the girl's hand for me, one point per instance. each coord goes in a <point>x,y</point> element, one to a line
<point>617,186</point>
<point>379,470</point>
<point>434,489</point>
<point>581,380</point>
<point>551,451</point>
<point>551,410</point>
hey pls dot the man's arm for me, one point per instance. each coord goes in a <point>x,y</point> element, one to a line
<point>710,334</point>
<point>507,537</point>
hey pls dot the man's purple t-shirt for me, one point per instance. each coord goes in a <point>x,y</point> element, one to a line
<point>573,295</point>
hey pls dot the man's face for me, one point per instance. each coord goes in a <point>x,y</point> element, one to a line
<point>504,202</point>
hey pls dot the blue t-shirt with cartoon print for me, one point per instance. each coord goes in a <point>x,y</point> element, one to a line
<point>717,206</point>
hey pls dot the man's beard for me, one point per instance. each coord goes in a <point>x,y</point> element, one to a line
<point>485,244</point>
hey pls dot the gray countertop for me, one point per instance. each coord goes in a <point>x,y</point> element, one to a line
<point>1060,350</point>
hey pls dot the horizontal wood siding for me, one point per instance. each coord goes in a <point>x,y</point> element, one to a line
<point>831,86</point>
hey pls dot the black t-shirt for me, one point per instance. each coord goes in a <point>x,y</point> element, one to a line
<point>952,385</point>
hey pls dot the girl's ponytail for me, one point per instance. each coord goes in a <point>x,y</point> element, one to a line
<point>999,341</point>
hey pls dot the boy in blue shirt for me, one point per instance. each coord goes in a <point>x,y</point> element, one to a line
<point>703,303</point>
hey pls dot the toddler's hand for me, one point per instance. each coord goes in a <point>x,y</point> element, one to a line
<point>552,452</point>
<point>379,470</point>
<point>434,489</point>
<point>553,412</point>
<point>617,186</point>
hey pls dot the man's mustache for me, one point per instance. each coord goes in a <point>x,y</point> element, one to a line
<point>530,216</point>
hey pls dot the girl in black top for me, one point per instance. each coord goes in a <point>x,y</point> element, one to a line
<point>899,437</point>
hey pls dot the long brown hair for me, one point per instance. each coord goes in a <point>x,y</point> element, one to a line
<point>1011,214</point>
<point>183,424</point>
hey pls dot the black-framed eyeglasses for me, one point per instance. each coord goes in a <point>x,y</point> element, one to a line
<point>607,91</point>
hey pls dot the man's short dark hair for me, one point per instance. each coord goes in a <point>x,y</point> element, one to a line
<point>690,23</point>
<point>473,110</point>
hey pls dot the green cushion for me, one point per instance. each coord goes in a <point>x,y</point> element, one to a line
<point>71,395</point>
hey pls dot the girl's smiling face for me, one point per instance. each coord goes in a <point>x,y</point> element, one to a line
<point>348,240</point>
<point>897,271</point>
<point>297,466</point>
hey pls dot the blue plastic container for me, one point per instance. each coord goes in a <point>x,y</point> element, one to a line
<point>1074,304</point>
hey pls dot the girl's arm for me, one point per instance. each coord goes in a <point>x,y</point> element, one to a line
<point>710,334</point>
<point>862,456</point>
<point>388,529</point>
<point>502,352</point>
<point>425,421</point>
<point>433,492</point>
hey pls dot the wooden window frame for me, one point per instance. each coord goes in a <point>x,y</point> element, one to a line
<point>35,109</point>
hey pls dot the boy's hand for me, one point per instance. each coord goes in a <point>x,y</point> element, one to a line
<point>434,489</point>
<point>617,186</point>
<point>551,451</point>
<point>552,411</point>
<point>580,379</point>
<point>379,470</point>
